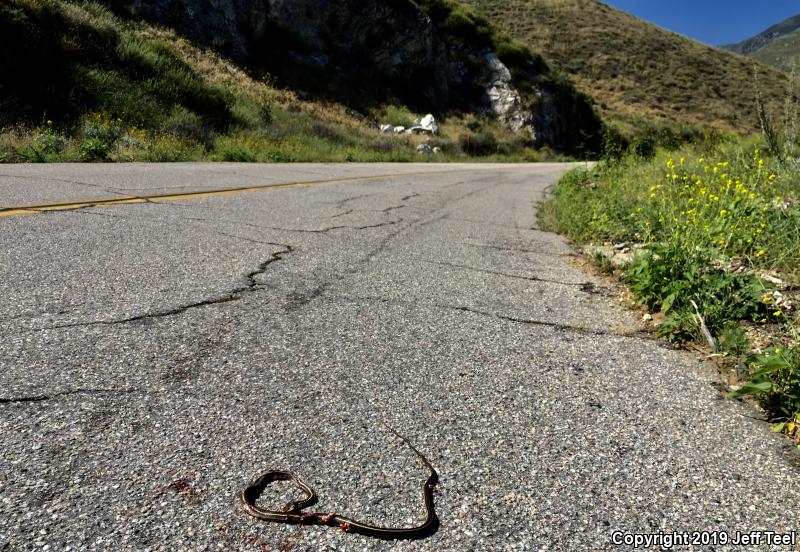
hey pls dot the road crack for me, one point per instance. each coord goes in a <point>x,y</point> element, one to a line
<point>52,396</point>
<point>282,229</point>
<point>517,250</point>
<point>63,180</point>
<point>514,319</point>
<point>250,286</point>
<point>585,286</point>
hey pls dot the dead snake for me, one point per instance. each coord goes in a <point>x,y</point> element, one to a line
<point>293,512</point>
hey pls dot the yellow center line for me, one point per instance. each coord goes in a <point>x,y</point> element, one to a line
<point>21,210</point>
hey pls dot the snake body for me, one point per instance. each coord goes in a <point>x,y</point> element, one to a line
<point>293,512</point>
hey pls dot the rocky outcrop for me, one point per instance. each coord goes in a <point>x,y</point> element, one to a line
<point>504,99</point>
<point>361,52</point>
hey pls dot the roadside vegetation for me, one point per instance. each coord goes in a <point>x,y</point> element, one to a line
<point>714,231</point>
<point>77,83</point>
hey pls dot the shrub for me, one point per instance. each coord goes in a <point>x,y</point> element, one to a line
<point>94,149</point>
<point>265,109</point>
<point>234,149</point>
<point>672,275</point>
<point>48,140</point>
<point>644,147</point>
<point>775,382</point>
<point>481,143</point>
<point>188,124</point>
<point>614,143</point>
<point>397,116</point>
<point>100,134</point>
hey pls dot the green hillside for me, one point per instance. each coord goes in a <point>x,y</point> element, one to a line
<point>79,83</point>
<point>635,70</point>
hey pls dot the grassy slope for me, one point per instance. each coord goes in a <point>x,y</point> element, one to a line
<point>634,69</point>
<point>78,83</point>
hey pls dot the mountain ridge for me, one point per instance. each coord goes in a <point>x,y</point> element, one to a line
<point>778,45</point>
<point>750,45</point>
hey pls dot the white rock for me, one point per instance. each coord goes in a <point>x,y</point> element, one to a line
<point>428,122</point>
<point>387,129</point>
<point>399,129</point>
<point>437,150</point>
<point>424,149</point>
<point>504,99</point>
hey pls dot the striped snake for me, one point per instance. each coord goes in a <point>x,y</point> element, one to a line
<point>293,513</point>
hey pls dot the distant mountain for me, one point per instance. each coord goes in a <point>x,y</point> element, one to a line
<point>779,45</point>
<point>634,70</point>
<point>750,45</point>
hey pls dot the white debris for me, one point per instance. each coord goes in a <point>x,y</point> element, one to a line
<point>426,125</point>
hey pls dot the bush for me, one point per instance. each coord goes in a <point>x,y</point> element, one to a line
<point>48,140</point>
<point>240,149</point>
<point>188,124</point>
<point>94,149</point>
<point>265,109</point>
<point>458,21</point>
<point>614,143</point>
<point>481,143</point>
<point>644,147</point>
<point>102,127</point>
<point>672,275</point>
<point>100,135</point>
<point>397,116</point>
<point>775,382</point>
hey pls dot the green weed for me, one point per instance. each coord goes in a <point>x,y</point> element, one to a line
<point>711,219</point>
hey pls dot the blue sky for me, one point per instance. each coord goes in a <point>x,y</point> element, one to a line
<point>711,21</point>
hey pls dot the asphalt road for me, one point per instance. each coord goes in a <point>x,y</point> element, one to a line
<point>155,356</point>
